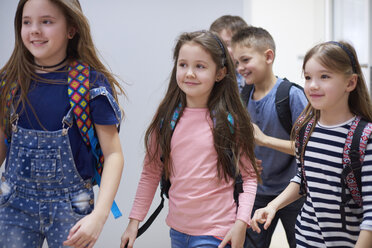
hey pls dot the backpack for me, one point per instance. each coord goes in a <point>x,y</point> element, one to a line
<point>78,92</point>
<point>281,101</point>
<point>166,184</point>
<point>353,156</point>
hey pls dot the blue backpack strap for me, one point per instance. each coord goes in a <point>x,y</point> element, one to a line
<point>79,95</point>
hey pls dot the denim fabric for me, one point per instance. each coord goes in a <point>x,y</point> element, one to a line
<point>287,216</point>
<point>42,194</point>
<point>182,240</point>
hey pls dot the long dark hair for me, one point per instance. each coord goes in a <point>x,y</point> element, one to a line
<point>20,67</point>
<point>224,99</point>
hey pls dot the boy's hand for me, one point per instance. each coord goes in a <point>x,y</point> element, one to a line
<point>86,231</point>
<point>130,234</point>
<point>263,215</point>
<point>259,136</point>
<point>236,235</point>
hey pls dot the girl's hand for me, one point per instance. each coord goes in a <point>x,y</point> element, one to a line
<point>259,166</point>
<point>236,235</point>
<point>86,231</point>
<point>263,215</point>
<point>130,234</point>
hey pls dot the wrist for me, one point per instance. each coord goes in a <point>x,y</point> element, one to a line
<point>273,206</point>
<point>241,223</point>
<point>103,215</point>
<point>134,223</point>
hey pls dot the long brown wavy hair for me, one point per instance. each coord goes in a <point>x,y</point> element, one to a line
<point>20,67</point>
<point>335,58</point>
<point>224,99</point>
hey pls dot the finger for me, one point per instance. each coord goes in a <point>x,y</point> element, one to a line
<point>269,218</point>
<point>126,243</point>
<point>82,242</point>
<point>91,244</point>
<point>73,240</point>
<point>131,243</point>
<point>255,227</point>
<point>224,242</point>
<point>73,230</point>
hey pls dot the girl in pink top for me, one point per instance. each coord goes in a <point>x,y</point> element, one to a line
<point>195,150</point>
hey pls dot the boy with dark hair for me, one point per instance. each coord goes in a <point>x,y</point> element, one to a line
<point>226,26</point>
<point>254,52</point>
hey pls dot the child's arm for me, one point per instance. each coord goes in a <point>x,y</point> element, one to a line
<point>86,231</point>
<point>364,240</point>
<point>285,146</point>
<point>236,234</point>
<point>266,214</point>
<point>130,234</point>
<point>149,181</point>
<point>2,146</point>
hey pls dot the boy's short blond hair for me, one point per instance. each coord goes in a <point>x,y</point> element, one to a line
<point>254,37</point>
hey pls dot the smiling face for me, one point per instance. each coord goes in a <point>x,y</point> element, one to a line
<point>45,32</point>
<point>251,63</point>
<point>196,74</point>
<point>326,90</point>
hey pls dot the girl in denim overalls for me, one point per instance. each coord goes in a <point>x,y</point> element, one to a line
<point>46,189</point>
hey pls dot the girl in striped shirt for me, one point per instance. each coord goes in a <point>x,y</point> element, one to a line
<point>337,94</point>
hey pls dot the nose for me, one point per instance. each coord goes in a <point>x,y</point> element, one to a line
<point>35,29</point>
<point>190,73</point>
<point>313,84</point>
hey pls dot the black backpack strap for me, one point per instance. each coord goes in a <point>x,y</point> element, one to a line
<point>245,93</point>
<point>153,216</point>
<point>164,188</point>
<point>356,165</point>
<point>282,105</point>
<point>300,154</point>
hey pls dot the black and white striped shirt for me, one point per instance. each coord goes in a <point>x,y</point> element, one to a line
<point>319,223</point>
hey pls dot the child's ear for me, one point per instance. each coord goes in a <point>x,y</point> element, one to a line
<point>352,83</point>
<point>71,32</point>
<point>221,73</point>
<point>269,55</point>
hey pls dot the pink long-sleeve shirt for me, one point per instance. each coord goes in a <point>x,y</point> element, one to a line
<point>199,202</point>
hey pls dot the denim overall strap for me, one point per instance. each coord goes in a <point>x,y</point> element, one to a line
<point>46,194</point>
<point>96,150</point>
<point>42,160</point>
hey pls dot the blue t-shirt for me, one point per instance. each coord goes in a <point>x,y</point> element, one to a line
<point>278,168</point>
<point>50,102</point>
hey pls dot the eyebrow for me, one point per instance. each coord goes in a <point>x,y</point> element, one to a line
<point>198,61</point>
<point>44,16</point>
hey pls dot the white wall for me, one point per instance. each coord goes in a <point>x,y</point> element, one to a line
<point>296,26</point>
<point>136,39</point>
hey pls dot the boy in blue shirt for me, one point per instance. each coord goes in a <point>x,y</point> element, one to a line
<point>254,52</point>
